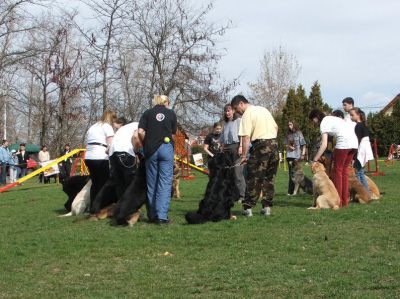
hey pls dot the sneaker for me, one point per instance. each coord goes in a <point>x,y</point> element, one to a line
<point>240,200</point>
<point>266,211</point>
<point>247,213</point>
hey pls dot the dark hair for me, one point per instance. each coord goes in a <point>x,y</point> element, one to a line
<point>22,144</point>
<point>43,146</point>
<point>361,113</point>
<point>348,100</point>
<point>121,121</point>
<point>226,109</point>
<point>338,113</point>
<point>295,127</point>
<point>237,99</point>
<point>217,124</point>
<point>67,144</point>
<point>316,113</point>
<point>3,141</point>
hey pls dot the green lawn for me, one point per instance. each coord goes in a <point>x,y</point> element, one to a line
<point>350,253</point>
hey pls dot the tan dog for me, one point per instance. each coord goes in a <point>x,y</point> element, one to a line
<point>373,188</point>
<point>325,194</point>
<point>356,190</point>
<point>175,192</point>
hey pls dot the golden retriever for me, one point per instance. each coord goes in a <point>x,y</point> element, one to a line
<point>325,194</point>
<point>175,192</point>
<point>357,191</point>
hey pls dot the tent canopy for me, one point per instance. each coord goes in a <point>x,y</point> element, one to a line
<point>31,148</point>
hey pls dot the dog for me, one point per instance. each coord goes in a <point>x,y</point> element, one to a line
<point>81,201</point>
<point>325,193</point>
<point>357,191</point>
<point>72,186</point>
<point>175,192</point>
<point>221,192</point>
<point>127,210</point>
<point>300,180</point>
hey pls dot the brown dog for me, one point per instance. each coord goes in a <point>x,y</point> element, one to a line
<point>175,192</point>
<point>356,190</point>
<point>325,194</point>
<point>373,188</point>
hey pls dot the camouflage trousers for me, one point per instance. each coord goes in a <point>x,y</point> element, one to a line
<point>261,171</point>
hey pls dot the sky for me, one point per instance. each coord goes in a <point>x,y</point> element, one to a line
<point>351,47</point>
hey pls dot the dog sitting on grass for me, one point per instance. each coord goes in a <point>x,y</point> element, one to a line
<point>72,186</point>
<point>300,180</point>
<point>175,192</point>
<point>221,192</point>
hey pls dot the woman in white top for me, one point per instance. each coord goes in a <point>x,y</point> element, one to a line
<point>98,141</point>
<point>343,153</point>
<point>44,156</point>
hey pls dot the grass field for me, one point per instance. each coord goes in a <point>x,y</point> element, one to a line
<point>295,253</point>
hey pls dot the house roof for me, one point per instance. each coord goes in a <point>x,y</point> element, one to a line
<point>391,104</point>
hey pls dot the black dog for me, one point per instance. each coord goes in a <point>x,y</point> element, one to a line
<point>72,186</point>
<point>221,191</point>
<point>134,197</point>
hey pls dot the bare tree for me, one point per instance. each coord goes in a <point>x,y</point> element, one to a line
<point>279,72</point>
<point>109,14</point>
<point>178,45</point>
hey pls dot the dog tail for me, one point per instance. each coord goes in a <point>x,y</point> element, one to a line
<point>195,218</point>
<point>66,215</point>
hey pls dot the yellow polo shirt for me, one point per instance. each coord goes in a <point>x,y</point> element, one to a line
<point>258,123</point>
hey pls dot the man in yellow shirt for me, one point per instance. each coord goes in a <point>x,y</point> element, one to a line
<point>259,128</point>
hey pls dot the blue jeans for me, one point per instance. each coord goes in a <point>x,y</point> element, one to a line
<point>360,174</point>
<point>159,173</point>
<point>3,175</point>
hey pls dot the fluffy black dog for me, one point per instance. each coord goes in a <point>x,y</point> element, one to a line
<point>134,197</point>
<point>72,186</point>
<point>221,192</point>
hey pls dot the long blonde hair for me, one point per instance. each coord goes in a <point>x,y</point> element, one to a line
<point>160,99</point>
<point>108,117</point>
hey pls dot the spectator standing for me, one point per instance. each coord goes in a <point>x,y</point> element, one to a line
<point>65,166</point>
<point>230,142</point>
<point>258,127</point>
<point>5,160</point>
<point>23,158</point>
<point>44,156</point>
<point>13,166</point>
<point>295,150</point>
<point>364,152</point>
<point>98,141</point>
<point>212,142</point>
<point>343,153</point>
<point>157,126</point>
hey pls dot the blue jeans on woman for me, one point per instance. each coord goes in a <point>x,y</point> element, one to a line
<point>360,174</point>
<point>159,173</point>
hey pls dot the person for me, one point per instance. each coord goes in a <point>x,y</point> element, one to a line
<point>348,104</point>
<point>44,156</point>
<point>342,154</point>
<point>230,142</point>
<point>98,141</point>
<point>23,158</point>
<point>13,166</point>
<point>364,152</point>
<point>295,150</point>
<point>122,164</point>
<point>65,166</point>
<point>212,142</point>
<point>5,159</point>
<point>157,126</point>
<point>258,127</point>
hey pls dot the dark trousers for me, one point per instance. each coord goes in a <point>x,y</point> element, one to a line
<point>3,174</point>
<point>290,170</point>
<point>122,173</point>
<point>261,171</point>
<point>99,173</point>
<point>65,170</point>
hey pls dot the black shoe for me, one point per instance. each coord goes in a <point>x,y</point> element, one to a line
<point>162,221</point>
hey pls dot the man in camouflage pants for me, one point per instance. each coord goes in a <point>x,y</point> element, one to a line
<point>258,127</point>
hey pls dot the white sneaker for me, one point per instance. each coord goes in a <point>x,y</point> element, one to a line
<point>247,213</point>
<point>266,211</point>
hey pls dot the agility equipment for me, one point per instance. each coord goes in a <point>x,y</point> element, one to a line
<point>44,168</point>
<point>182,152</point>
<point>185,162</point>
